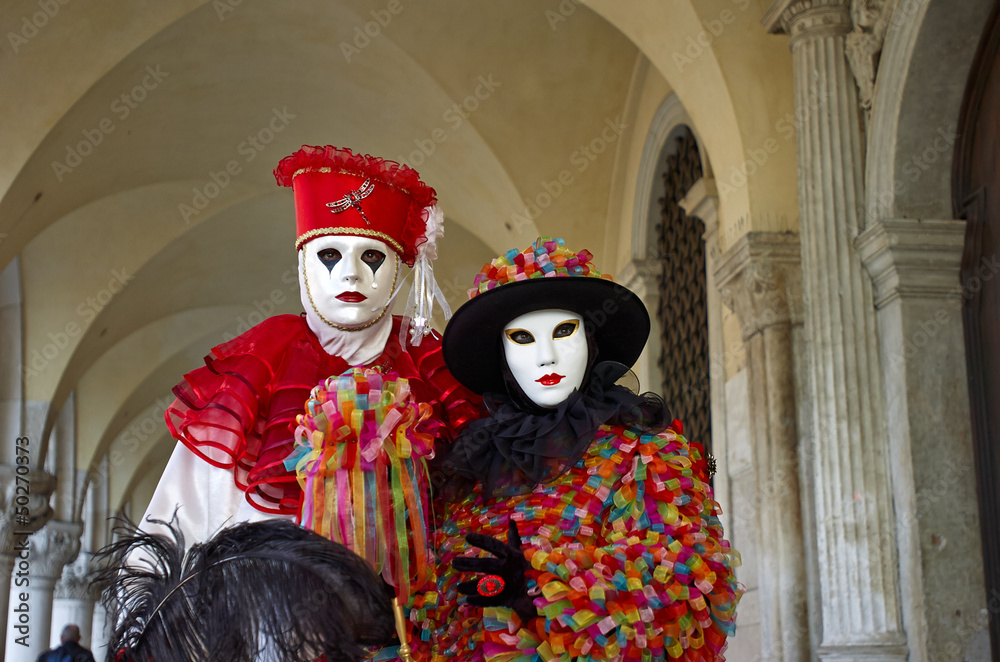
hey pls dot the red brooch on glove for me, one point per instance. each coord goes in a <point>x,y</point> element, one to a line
<point>490,585</point>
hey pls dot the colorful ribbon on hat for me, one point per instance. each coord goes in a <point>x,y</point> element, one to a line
<point>545,258</point>
<point>360,459</point>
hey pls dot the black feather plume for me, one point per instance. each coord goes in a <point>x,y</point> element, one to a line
<point>256,591</point>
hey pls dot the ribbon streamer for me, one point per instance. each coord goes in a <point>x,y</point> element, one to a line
<point>360,460</point>
<point>419,307</point>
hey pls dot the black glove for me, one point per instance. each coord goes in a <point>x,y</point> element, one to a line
<point>509,564</point>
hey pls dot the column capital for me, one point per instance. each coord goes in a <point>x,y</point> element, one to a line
<point>52,547</point>
<point>863,46</point>
<point>913,258</point>
<point>24,502</point>
<point>76,578</point>
<point>760,279</point>
<point>809,18</point>
<point>702,201</point>
<point>640,276</point>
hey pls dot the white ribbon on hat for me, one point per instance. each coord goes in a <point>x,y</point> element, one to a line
<point>425,290</point>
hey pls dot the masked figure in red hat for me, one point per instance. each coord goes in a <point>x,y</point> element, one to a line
<point>359,220</point>
<point>580,526</point>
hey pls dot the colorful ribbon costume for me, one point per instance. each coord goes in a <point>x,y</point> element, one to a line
<point>627,554</point>
<point>238,411</point>
<point>616,518</point>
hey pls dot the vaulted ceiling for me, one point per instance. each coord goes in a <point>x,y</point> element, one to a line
<point>139,139</point>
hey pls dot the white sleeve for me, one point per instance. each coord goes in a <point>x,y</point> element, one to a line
<point>205,497</point>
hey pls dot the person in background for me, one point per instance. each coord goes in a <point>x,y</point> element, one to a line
<point>69,649</point>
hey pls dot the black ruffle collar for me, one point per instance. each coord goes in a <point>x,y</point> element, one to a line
<point>513,448</point>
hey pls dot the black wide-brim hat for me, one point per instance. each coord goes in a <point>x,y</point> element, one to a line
<point>615,317</point>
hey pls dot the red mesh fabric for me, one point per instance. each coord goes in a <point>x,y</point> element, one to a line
<point>238,411</point>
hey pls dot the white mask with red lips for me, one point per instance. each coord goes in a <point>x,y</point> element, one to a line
<point>346,286</point>
<point>546,351</point>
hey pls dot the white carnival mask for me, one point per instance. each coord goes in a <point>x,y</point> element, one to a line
<point>347,281</point>
<point>546,351</point>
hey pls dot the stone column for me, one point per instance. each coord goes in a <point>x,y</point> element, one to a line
<point>639,275</point>
<point>100,630</point>
<point>49,550</point>
<point>856,525</point>
<point>62,445</point>
<point>75,598</point>
<point>98,534</point>
<point>914,265</point>
<point>11,391</point>
<point>759,279</point>
<point>20,515</point>
<point>98,513</point>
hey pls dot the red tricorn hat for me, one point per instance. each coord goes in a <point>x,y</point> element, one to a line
<point>340,192</point>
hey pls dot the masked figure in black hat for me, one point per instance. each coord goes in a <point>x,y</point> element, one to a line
<point>579,525</point>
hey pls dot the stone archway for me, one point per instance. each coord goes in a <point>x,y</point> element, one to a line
<point>911,246</point>
<point>640,272</point>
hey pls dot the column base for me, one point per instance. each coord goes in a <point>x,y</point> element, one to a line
<point>100,632</point>
<point>870,652</point>
<point>37,618</point>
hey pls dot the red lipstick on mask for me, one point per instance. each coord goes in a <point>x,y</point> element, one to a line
<point>351,297</point>
<point>550,380</point>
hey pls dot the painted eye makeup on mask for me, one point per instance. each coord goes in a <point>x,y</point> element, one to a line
<point>520,336</point>
<point>330,257</point>
<point>562,330</point>
<point>565,329</point>
<point>373,259</point>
